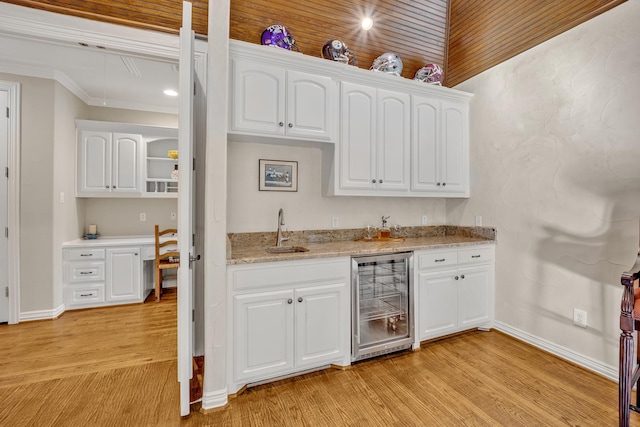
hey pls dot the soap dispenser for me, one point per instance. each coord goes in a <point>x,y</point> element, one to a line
<point>384,232</point>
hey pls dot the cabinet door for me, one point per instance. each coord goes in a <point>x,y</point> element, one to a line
<point>94,162</point>
<point>475,297</point>
<point>258,98</point>
<point>358,144</point>
<point>425,150</point>
<point>438,304</point>
<point>320,324</point>
<point>310,108</point>
<point>123,275</point>
<point>455,147</point>
<point>393,140</point>
<point>125,176</point>
<point>263,334</point>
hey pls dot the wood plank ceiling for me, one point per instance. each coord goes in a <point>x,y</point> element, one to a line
<point>484,33</point>
<point>480,33</point>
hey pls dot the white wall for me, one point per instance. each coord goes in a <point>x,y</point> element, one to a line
<point>68,213</point>
<point>121,217</point>
<point>554,151</point>
<point>249,209</point>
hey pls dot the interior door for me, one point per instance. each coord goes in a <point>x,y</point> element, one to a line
<point>185,209</point>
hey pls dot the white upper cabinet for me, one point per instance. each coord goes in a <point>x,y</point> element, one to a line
<point>124,160</point>
<point>373,157</point>
<point>440,147</point>
<point>393,136</point>
<point>108,163</point>
<point>268,100</point>
<point>393,140</point>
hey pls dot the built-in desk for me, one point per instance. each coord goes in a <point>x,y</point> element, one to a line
<point>107,270</point>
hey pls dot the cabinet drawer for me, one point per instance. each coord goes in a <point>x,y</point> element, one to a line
<point>289,274</point>
<point>85,272</point>
<point>87,254</point>
<point>477,255</point>
<point>437,259</point>
<point>83,295</point>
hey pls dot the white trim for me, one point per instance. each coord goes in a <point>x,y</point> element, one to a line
<point>14,197</point>
<point>215,399</point>
<point>586,362</point>
<point>19,21</point>
<point>42,314</point>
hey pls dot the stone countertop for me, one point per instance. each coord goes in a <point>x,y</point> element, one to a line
<point>246,248</point>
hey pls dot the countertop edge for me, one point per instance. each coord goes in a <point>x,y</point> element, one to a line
<point>365,248</point>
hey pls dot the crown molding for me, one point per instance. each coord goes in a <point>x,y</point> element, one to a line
<point>19,21</point>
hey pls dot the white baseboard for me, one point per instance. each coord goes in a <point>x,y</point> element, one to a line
<point>215,399</point>
<point>27,316</point>
<point>596,366</point>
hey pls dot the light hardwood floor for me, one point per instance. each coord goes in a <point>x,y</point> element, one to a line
<point>117,367</point>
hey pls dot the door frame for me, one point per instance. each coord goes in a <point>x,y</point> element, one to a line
<point>13,205</point>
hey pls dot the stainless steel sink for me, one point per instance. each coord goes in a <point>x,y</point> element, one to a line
<point>286,249</point>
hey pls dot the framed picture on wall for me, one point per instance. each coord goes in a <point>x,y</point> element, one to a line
<point>278,175</point>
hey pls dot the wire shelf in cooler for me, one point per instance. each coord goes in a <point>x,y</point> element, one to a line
<point>377,308</point>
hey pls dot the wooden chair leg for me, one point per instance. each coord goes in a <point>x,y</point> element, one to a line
<point>626,367</point>
<point>158,284</point>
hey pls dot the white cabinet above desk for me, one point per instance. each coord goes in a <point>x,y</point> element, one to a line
<point>125,160</point>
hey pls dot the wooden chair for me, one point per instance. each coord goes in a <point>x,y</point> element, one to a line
<point>165,258</point>
<point>629,370</point>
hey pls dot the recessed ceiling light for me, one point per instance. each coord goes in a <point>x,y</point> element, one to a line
<point>170,92</point>
<point>367,23</point>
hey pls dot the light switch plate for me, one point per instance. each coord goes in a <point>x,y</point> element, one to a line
<point>143,216</point>
<point>335,222</point>
<point>478,221</point>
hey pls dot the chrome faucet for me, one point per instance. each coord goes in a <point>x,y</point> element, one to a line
<point>280,237</point>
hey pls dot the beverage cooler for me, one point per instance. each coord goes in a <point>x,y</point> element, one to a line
<point>382,298</point>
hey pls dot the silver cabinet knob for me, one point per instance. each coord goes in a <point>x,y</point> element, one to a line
<point>456,277</point>
<point>290,125</point>
<point>444,183</point>
<point>373,181</point>
<point>380,181</point>
<point>300,299</point>
<point>462,276</point>
<point>438,184</point>
<point>289,301</point>
<point>280,124</point>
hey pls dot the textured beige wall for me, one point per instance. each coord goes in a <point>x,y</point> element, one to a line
<point>554,137</point>
<point>249,209</point>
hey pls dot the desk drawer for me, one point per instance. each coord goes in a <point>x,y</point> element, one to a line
<point>85,272</point>
<point>86,254</point>
<point>84,295</point>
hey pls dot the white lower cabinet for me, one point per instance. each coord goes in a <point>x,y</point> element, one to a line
<point>455,290</point>
<point>287,317</point>
<point>123,275</point>
<point>96,277</point>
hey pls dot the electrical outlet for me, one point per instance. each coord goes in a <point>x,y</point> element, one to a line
<point>424,220</point>
<point>173,216</point>
<point>335,222</point>
<point>62,197</point>
<point>580,318</point>
<point>478,221</point>
<point>143,216</point>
